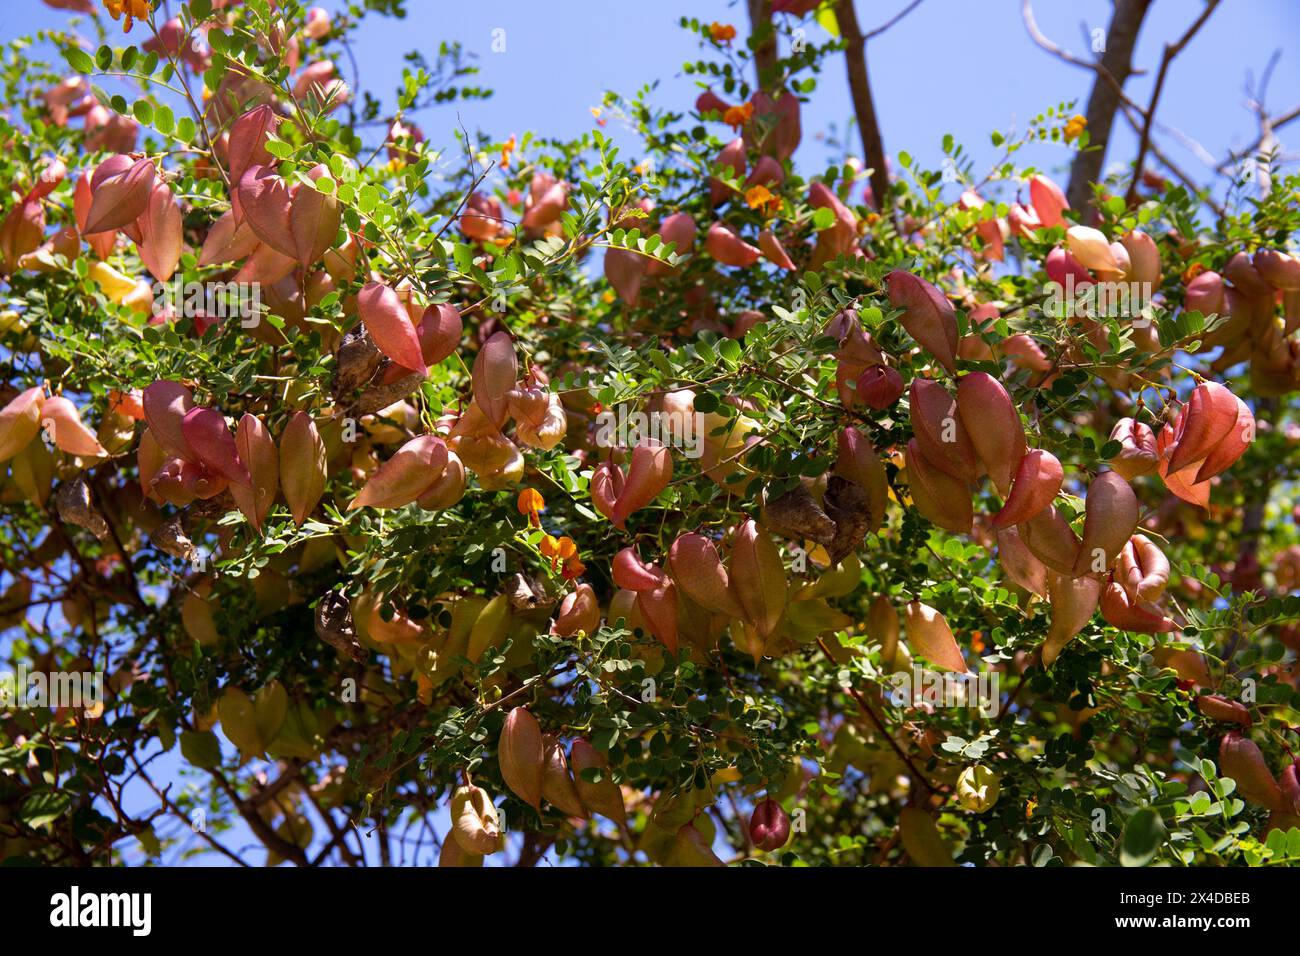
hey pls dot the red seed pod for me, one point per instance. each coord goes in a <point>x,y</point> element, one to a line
<point>769,826</point>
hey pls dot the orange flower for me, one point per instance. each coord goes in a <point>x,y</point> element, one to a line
<point>738,116</point>
<point>1192,271</point>
<point>530,502</point>
<point>506,150</point>
<point>761,198</point>
<point>574,569</point>
<point>596,111</point>
<point>722,32</point>
<point>1074,127</point>
<point>977,642</point>
<point>558,549</point>
<point>134,10</point>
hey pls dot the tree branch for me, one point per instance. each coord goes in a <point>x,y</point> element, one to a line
<point>1113,69</point>
<point>760,27</point>
<point>864,107</point>
<point>1167,58</point>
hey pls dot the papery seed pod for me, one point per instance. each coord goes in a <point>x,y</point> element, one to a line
<point>1231,446</point>
<point>928,316</point>
<point>629,571</point>
<point>72,502</point>
<point>1019,563</point>
<point>257,451</point>
<point>546,202</point>
<point>521,755</point>
<point>1048,201</point>
<point>649,472</point>
<point>207,433</point>
<point>606,485</point>
<point>939,431</point>
<point>769,826</point>
<point>1092,249</point>
<point>101,243</point>
<point>557,783</point>
<point>772,249</point>
<point>165,407</point>
<point>779,117</point>
<point>302,466</point>
<point>697,570</point>
<point>1143,569</point>
<point>1110,518</point>
<point>690,848</point>
<point>495,374</point>
<point>1026,353</point>
<point>1063,269</point>
<point>62,422</point>
<point>314,219</point>
<point>880,387</point>
<point>161,233</point>
<point>1144,258</point>
<point>658,608</point>
<point>410,473</point>
<point>938,496</point>
<point>490,628</point>
<point>21,233</point>
<point>1279,269</point>
<point>1137,455</point>
<point>474,821</point>
<point>1038,478</point>
<point>452,854</point>
<point>1137,616</point>
<point>579,611</point>
<point>264,201</point>
<point>1208,417</point>
<point>389,325</point>
<point>978,788</point>
<point>120,190</point>
<point>482,219</point>
<point>929,636</point>
<point>227,241</point>
<point>729,249</point>
<point>448,489</point>
<point>882,628</point>
<point>1241,272</point>
<point>921,839</point>
<point>1240,759</point>
<point>993,424</point>
<point>1073,602</point>
<point>732,157</point>
<point>625,271</point>
<point>603,796</point>
<point>1290,785</point>
<point>439,332</point>
<point>1205,294</point>
<point>1220,708</point>
<point>758,577</point>
<point>20,420</point>
<point>247,143</point>
<point>1051,540</point>
<point>858,461</point>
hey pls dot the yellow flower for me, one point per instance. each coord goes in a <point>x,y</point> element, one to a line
<point>738,116</point>
<point>722,32</point>
<point>1074,127</point>
<point>134,10</point>
<point>506,150</point>
<point>596,111</point>
<point>761,198</point>
<point>529,503</point>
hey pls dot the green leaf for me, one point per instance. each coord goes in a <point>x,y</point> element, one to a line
<point>1143,835</point>
<point>201,748</point>
<point>79,60</point>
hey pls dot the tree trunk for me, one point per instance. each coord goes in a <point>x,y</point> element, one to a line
<point>1121,38</point>
<point>760,24</point>
<point>864,107</point>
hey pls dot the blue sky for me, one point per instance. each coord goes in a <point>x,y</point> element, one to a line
<point>951,66</point>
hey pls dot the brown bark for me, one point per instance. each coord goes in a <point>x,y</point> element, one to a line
<point>1117,61</point>
<point>864,107</point>
<point>760,23</point>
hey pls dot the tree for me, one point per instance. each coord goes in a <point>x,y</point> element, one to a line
<point>835,526</point>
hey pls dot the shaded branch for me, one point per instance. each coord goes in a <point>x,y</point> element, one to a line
<point>864,107</point>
